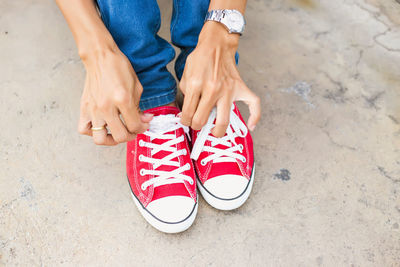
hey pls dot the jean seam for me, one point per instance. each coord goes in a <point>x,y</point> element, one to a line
<point>158,20</point>
<point>176,19</point>
<point>155,101</point>
<point>159,96</point>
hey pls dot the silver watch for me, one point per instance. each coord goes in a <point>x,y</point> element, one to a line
<point>231,18</point>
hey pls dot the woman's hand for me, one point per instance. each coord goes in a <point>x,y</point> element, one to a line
<point>111,89</point>
<point>211,79</point>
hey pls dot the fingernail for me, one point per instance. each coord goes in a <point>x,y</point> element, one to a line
<point>148,115</point>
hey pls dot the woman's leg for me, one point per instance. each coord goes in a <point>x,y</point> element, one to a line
<point>134,25</point>
<point>186,23</point>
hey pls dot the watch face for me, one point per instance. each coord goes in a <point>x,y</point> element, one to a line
<point>236,21</point>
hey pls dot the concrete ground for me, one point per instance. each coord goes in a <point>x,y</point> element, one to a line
<point>327,188</point>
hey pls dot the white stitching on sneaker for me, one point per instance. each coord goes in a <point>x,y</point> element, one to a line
<point>236,128</point>
<point>159,126</point>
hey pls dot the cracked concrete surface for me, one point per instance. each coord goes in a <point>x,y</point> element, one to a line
<point>327,185</point>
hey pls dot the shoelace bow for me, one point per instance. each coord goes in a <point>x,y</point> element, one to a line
<point>159,127</point>
<point>236,128</point>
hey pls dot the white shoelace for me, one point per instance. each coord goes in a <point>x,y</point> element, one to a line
<point>236,128</point>
<point>159,126</point>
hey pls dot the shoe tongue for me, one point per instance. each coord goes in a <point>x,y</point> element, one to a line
<point>166,110</point>
<point>175,189</point>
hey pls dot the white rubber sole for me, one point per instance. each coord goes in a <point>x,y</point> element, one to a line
<point>166,227</point>
<point>227,204</point>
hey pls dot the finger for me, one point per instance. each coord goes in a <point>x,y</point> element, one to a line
<point>128,105</point>
<point>146,117</point>
<point>134,119</point>
<point>223,117</point>
<point>252,101</point>
<point>84,124</point>
<point>203,111</point>
<point>101,137</point>
<point>118,129</point>
<point>182,83</point>
<point>190,102</point>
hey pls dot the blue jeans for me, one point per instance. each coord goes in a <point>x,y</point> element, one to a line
<point>134,25</point>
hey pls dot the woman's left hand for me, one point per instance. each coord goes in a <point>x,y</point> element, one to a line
<point>211,79</point>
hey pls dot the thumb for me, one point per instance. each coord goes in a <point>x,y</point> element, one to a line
<point>252,101</point>
<point>146,117</point>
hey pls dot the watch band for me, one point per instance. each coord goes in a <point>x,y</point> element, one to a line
<point>224,16</point>
<point>215,15</point>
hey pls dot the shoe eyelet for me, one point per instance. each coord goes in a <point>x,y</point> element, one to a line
<point>187,166</point>
<point>184,152</point>
<point>141,157</point>
<point>241,147</point>
<point>191,182</point>
<point>243,159</point>
<point>143,187</point>
<point>141,172</point>
<point>203,163</point>
<point>141,142</point>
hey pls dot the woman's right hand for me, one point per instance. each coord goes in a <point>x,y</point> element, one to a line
<point>111,89</point>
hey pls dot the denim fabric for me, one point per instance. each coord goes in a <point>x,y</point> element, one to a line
<point>186,23</point>
<point>134,25</point>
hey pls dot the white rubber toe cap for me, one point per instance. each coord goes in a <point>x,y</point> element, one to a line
<point>227,186</point>
<point>171,209</point>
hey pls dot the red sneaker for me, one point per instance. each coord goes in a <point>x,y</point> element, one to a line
<point>160,173</point>
<point>224,166</point>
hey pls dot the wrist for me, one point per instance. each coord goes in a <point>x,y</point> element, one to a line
<point>93,48</point>
<point>217,33</point>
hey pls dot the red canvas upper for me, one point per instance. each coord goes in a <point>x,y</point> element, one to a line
<point>134,165</point>
<point>213,169</point>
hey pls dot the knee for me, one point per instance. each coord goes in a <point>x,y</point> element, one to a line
<point>130,17</point>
